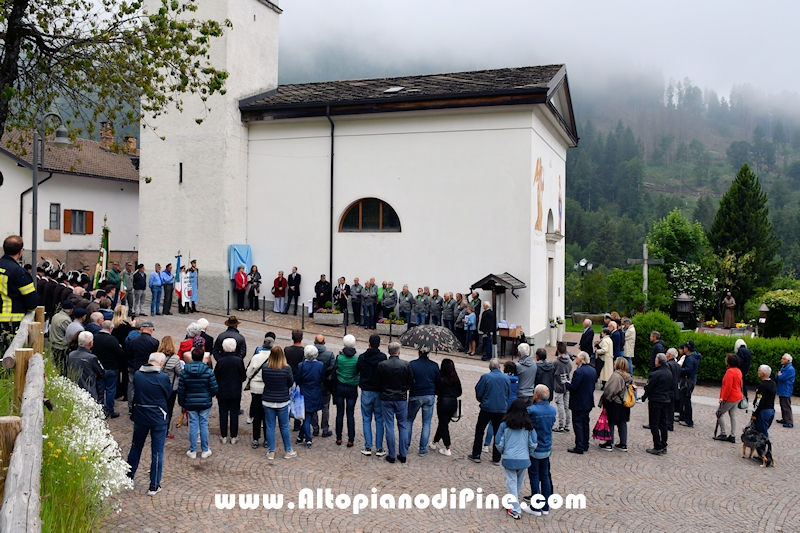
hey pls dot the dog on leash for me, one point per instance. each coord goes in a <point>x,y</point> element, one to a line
<point>757,442</point>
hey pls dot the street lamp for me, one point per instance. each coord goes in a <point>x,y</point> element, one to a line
<point>61,141</point>
<point>583,266</point>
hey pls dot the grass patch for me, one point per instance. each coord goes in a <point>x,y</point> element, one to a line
<point>578,328</point>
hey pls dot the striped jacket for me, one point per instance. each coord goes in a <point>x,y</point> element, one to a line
<point>17,291</point>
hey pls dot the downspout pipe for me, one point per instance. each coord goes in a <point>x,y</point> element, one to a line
<point>330,244</point>
<point>21,196</point>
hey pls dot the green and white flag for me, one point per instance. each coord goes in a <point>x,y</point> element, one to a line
<point>102,258</point>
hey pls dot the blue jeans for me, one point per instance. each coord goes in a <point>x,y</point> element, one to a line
<point>407,318</point>
<point>158,436</point>
<point>539,475</point>
<point>400,410</point>
<point>487,345</point>
<point>155,304</point>
<point>345,399</point>
<point>371,406</point>
<point>107,390</point>
<point>198,418</point>
<point>764,421</point>
<point>282,415</point>
<point>449,324</point>
<point>514,481</point>
<point>436,320</point>
<point>419,318</point>
<point>369,315</point>
<point>426,403</point>
<point>630,365</point>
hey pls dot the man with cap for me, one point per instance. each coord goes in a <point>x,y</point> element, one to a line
<point>139,350</point>
<point>115,279</point>
<point>76,326</point>
<point>127,279</point>
<point>58,334</point>
<point>231,333</point>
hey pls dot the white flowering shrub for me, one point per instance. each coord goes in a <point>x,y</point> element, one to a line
<point>698,283</point>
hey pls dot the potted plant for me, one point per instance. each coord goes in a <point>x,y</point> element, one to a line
<point>712,323</point>
<point>397,325</point>
<point>561,328</point>
<point>553,338</point>
<point>330,315</point>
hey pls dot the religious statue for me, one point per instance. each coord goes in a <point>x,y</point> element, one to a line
<point>560,205</point>
<point>729,321</point>
<point>538,182</point>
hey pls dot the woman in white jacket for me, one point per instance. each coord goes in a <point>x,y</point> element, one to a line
<point>605,353</point>
<point>253,373</point>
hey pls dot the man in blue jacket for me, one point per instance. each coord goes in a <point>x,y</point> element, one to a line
<point>543,417</point>
<point>196,388</point>
<point>156,287</point>
<point>785,379</point>
<point>422,396</point>
<point>152,389</point>
<point>492,392</point>
<point>688,379</point>
<point>581,401</point>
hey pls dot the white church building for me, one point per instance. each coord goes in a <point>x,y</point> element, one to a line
<point>434,180</point>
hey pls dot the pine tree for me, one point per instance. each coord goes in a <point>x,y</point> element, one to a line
<point>742,228</point>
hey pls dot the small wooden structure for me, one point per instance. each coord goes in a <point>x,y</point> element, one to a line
<point>499,285</point>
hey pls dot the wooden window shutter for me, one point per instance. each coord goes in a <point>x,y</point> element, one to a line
<point>89,222</point>
<point>67,220</point>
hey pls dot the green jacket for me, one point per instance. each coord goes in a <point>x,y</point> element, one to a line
<point>113,277</point>
<point>346,372</point>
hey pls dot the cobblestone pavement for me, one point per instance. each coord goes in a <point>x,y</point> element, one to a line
<point>700,485</point>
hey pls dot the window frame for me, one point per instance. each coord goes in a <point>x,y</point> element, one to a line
<point>358,204</point>
<point>57,213</point>
<point>78,214</point>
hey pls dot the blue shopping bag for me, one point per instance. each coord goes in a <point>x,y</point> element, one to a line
<point>297,404</point>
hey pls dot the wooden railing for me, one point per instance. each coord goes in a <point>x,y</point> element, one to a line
<point>21,509</point>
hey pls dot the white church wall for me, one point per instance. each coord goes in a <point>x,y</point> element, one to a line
<point>16,179</point>
<point>204,214</point>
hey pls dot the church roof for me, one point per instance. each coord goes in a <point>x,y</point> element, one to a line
<point>88,158</point>
<point>507,86</point>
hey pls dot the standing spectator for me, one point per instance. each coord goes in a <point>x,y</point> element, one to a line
<point>168,284</point>
<point>510,370</point>
<point>581,401</point>
<point>355,301</point>
<point>630,342</point>
<point>517,441</point>
<point>122,327</point>
<point>95,322</point>
<point>231,333</point>
<point>277,379</point>
<point>115,279</point>
<point>230,375</point>
<point>279,286</point>
<point>150,416</point>
<point>341,294</point>
<point>194,272</point>
<point>322,292</point>
<point>367,368</point>
<point>240,286</point>
<point>84,365</point>
<point>155,285</point>
<point>764,403</point>
<point>185,347</point>
<point>254,379</point>
<point>294,356</point>
<point>254,282</point>
<point>208,339</point>
<point>294,291</point>
<point>395,379</point>
<point>691,365</point>
<point>675,370</point>
<point>139,288</point>
<point>111,357</point>
<point>657,392</point>
<point>76,326</point>
<point>346,390</point>
<point>617,341</point>
<point>475,302</point>
<point>612,401</point>
<point>471,329</point>
<point>368,296</point>
<point>745,358</point>
<point>730,395</point>
<point>389,300</point>
<point>545,371</point>
<point>17,291</point>
<point>526,372</point>
<point>563,369</point>
<point>604,351</point>
<point>461,314</point>
<point>658,347</point>
<point>172,367</point>
<point>421,304</point>
<point>492,392</point>
<point>379,306</point>
<point>488,329</point>
<point>58,334</point>
<point>49,288</point>
<point>448,309</point>
<point>586,343</point>
<point>448,390</point>
<point>142,346</point>
<point>422,396</point>
<point>328,360</point>
<point>406,301</point>
<point>436,308</point>
<point>127,280</point>
<point>196,388</point>
<point>543,416</point>
<point>309,377</point>
<point>786,377</point>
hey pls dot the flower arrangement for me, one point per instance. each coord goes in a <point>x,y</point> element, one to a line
<point>329,308</point>
<point>741,325</point>
<point>559,321</point>
<point>712,323</point>
<point>396,321</point>
<point>553,323</point>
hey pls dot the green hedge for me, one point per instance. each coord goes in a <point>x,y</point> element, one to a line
<point>714,348</point>
<point>645,323</point>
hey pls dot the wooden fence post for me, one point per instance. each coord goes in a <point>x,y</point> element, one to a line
<point>22,355</point>
<point>36,336</point>
<point>10,426</point>
<point>38,314</point>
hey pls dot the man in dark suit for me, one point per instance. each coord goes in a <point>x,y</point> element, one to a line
<point>294,290</point>
<point>587,338</point>
<point>341,293</point>
<point>581,401</point>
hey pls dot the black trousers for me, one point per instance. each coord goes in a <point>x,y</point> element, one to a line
<point>445,409</point>
<point>239,299</point>
<point>168,291</point>
<point>257,412</point>
<point>292,296</point>
<point>659,413</point>
<point>686,404</point>
<point>252,297</point>
<point>484,417</point>
<point>580,423</point>
<point>229,407</point>
<point>356,312</point>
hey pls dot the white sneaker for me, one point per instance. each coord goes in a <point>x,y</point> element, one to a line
<point>486,449</point>
<point>223,440</point>
<point>530,510</point>
<point>445,451</point>
<point>191,454</point>
<point>270,456</point>
<point>249,419</point>
<point>290,454</point>
<point>234,440</point>
<point>432,446</point>
<point>207,454</point>
<point>153,492</point>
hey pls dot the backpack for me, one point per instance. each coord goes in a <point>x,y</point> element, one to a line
<point>630,396</point>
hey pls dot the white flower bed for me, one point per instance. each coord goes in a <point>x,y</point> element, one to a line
<point>88,435</point>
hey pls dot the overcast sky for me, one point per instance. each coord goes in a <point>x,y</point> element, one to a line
<point>716,43</point>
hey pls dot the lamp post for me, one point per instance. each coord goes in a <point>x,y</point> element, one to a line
<point>583,266</point>
<point>61,141</point>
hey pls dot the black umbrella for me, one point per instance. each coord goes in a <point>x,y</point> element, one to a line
<point>435,338</point>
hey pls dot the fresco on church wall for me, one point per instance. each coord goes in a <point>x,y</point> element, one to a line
<point>560,204</point>
<point>538,183</point>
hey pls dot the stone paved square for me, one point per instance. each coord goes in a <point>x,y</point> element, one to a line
<point>700,485</point>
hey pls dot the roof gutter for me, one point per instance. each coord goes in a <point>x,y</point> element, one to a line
<point>22,195</point>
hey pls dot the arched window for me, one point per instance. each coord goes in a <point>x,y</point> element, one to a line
<point>369,214</point>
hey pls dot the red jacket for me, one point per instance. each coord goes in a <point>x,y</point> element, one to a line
<point>280,285</point>
<point>731,386</point>
<point>241,281</point>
